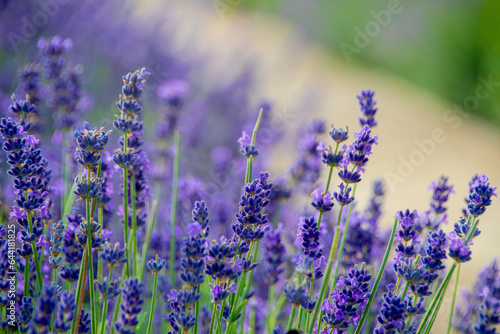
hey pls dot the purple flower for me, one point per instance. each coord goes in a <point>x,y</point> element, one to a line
<point>347,301</point>
<point>392,315</point>
<point>130,307</point>
<point>309,234</point>
<point>45,307</point>
<point>367,107</point>
<point>339,135</point>
<point>489,317</point>
<point>321,202</point>
<point>480,194</point>
<point>250,219</point>
<point>156,265</point>
<point>436,215</point>
<point>172,295</point>
<point>173,92</point>
<point>458,250</point>
<point>54,46</point>
<point>274,256</point>
<point>194,250</point>
<point>246,146</point>
<point>343,195</point>
<point>65,312</point>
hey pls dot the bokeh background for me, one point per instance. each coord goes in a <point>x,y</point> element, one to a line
<point>435,67</point>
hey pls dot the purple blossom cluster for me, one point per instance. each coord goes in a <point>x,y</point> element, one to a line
<point>347,301</point>
<point>78,275</point>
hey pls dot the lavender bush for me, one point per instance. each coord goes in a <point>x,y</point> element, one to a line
<point>116,230</point>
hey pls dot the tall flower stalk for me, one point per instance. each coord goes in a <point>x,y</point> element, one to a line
<point>238,274</point>
<point>31,184</point>
<point>90,145</point>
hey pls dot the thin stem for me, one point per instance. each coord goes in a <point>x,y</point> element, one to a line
<point>39,276</point>
<point>145,247</point>
<point>248,174</point>
<point>125,209</point>
<point>248,284</point>
<point>320,216</point>
<point>134,225</point>
<point>101,223</point>
<point>153,302</point>
<point>453,300</point>
<point>212,321</point>
<point>118,300</point>
<point>251,321</point>
<point>80,292</point>
<point>26,277</point>
<point>219,319</point>
<point>300,316</point>
<point>405,288</point>
<point>379,277</point>
<point>91,262</point>
<point>173,212</point>
<point>442,289</point>
<point>197,311</point>
<point>434,316</point>
<point>291,317</point>
<point>270,299</point>
<point>344,237</point>
<point>396,287</point>
<point>105,303</point>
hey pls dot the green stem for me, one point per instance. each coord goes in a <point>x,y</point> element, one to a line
<point>134,225</point>
<point>91,262</point>
<point>153,302</point>
<point>300,316</point>
<point>328,181</point>
<point>248,174</point>
<point>125,220</point>
<point>270,299</point>
<point>173,216</point>
<point>219,320</point>
<point>453,300</point>
<point>434,316</point>
<point>251,321</point>
<point>26,277</point>
<point>248,283</point>
<point>101,223</point>
<point>39,276</point>
<point>105,303</point>
<point>80,291</point>
<point>212,321</point>
<point>379,277</point>
<point>405,288</point>
<point>291,317</point>
<point>118,301</point>
<point>342,243</point>
<point>145,247</point>
<point>197,311</point>
<point>396,287</point>
<point>442,289</point>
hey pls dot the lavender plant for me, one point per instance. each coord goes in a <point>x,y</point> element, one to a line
<point>82,269</point>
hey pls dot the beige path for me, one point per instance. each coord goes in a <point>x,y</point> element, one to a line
<point>298,76</point>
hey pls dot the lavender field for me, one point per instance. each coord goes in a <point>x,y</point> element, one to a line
<point>194,168</point>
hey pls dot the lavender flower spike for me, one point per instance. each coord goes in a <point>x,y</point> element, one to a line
<point>368,108</point>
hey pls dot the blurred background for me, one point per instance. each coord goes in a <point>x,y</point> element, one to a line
<point>435,68</point>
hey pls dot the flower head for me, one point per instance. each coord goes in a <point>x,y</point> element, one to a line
<point>130,307</point>
<point>367,107</point>
<point>480,194</point>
